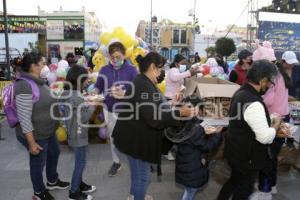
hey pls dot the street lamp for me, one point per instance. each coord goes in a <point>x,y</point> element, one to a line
<point>6,40</point>
<point>210,33</point>
<point>192,13</point>
<point>151,31</point>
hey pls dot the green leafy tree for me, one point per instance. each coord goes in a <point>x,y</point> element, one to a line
<point>225,46</point>
<point>210,51</point>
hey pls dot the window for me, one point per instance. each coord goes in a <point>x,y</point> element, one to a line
<point>155,33</point>
<point>156,36</point>
<point>179,36</point>
<point>183,37</point>
<point>176,36</point>
<point>165,53</point>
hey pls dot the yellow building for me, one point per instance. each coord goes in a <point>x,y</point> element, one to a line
<point>168,38</point>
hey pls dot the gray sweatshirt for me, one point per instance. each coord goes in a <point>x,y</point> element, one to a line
<point>76,120</point>
<point>35,117</point>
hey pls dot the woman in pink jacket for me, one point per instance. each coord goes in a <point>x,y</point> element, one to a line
<point>176,75</point>
<point>174,85</point>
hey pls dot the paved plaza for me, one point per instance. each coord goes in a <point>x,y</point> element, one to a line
<point>15,182</point>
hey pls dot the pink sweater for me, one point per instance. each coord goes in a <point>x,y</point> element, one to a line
<point>174,81</point>
<point>276,98</point>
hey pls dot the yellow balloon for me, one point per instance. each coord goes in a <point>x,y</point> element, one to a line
<point>137,51</point>
<point>61,134</point>
<point>128,42</point>
<point>129,52</point>
<point>118,32</point>
<point>135,43</point>
<point>162,87</point>
<point>99,61</point>
<point>105,38</point>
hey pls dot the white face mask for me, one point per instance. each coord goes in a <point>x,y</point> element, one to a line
<point>182,68</point>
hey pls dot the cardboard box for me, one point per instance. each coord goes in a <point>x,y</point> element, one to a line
<point>215,92</point>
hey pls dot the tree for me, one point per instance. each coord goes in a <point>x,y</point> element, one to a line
<point>225,46</point>
<point>35,47</point>
<point>210,51</point>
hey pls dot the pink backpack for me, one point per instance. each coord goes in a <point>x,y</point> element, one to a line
<point>9,101</point>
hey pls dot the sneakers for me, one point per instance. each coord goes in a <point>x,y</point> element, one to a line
<point>79,196</point>
<point>59,185</point>
<point>274,190</point>
<point>170,156</point>
<point>114,169</point>
<point>85,188</point>
<point>43,196</point>
<point>147,197</point>
<point>130,197</point>
<point>261,196</point>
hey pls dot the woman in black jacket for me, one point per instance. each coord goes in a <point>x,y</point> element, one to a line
<point>139,130</point>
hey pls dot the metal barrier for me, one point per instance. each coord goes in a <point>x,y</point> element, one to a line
<point>3,84</point>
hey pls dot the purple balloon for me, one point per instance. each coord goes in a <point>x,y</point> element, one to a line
<point>101,117</point>
<point>102,133</point>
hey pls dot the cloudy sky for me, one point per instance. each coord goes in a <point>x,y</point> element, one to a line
<point>127,13</point>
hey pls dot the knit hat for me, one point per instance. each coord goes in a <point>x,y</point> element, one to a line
<point>264,52</point>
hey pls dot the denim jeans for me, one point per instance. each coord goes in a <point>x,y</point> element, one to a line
<point>48,156</point>
<point>140,177</point>
<point>80,162</point>
<point>189,193</point>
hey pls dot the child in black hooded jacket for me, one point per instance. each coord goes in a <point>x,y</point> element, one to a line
<point>193,145</point>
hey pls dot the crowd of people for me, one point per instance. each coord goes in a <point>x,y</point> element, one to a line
<point>144,124</point>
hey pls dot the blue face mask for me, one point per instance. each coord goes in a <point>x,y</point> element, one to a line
<point>118,63</point>
<point>182,68</point>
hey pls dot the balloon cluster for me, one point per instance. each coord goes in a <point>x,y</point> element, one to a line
<point>134,47</point>
<point>210,69</point>
<point>57,76</point>
<point>203,69</point>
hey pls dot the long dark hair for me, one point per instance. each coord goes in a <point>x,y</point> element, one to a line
<point>177,59</point>
<point>29,59</point>
<point>152,57</point>
<point>72,77</point>
<point>286,78</point>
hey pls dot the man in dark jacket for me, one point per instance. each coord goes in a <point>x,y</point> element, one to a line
<point>249,133</point>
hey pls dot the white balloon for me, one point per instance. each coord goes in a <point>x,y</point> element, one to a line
<point>95,47</point>
<point>104,50</point>
<point>63,64</point>
<point>45,71</point>
<point>51,77</point>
